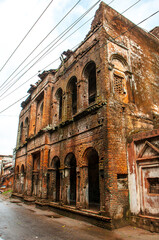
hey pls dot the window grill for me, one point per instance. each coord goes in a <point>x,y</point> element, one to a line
<point>118,84</point>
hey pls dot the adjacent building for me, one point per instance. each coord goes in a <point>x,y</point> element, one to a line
<point>74,147</point>
<point>6,172</point>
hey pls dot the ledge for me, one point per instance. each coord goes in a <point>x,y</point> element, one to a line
<point>90,216</point>
<point>150,223</point>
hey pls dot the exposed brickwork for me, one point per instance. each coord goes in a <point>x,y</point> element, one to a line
<point>82,116</point>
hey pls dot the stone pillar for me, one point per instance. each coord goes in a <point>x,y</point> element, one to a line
<point>85,187</point>
<point>55,113</point>
<point>78,182</point>
<point>15,183</point>
<point>47,106</point>
<point>62,190</point>
<point>68,104</point>
<point>101,187</point>
<point>67,185</point>
<point>82,94</point>
<point>53,184</point>
<point>22,182</point>
<point>64,107</point>
<point>35,184</point>
<point>29,174</point>
<point>44,173</point>
<point>33,111</point>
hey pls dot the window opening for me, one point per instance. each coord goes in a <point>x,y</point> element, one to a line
<point>93,179</point>
<point>122,181</point>
<point>153,185</point>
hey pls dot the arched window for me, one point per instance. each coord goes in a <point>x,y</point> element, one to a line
<point>119,79</point>
<point>22,169</point>
<point>72,96</point>
<point>59,100</point>
<point>90,75</point>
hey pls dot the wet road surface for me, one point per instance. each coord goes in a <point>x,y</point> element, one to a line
<point>19,221</point>
<point>22,222</point>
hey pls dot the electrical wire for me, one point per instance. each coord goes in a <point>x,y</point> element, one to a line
<point>65,32</point>
<point>62,42</point>
<point>41,41</point>
<point>28,80</point>
<point>49,63</point>
<point>92,17</point>
<point>14,103</point>
<point>26,35</point>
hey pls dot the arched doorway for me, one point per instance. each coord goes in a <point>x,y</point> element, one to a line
<point>92,159</point>
<point>70,174</point>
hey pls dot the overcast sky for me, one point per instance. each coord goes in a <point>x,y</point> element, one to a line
<point>16,18</point>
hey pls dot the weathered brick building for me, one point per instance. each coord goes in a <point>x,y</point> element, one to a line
<point>6,172</point>
<point>75,125</point>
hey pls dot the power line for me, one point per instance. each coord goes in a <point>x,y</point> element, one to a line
<point>92,17</point>
<point>14,103</point>
<point>27,80</point>
<point>130,7</point>
<point>26,35</point>
<point>49,63</point>
<point>64,33</point>
<point>41,42</point>
<point>62,42</point>
<point>135,25</point>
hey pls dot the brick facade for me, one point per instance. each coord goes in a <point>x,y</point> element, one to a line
<point>74,126</point>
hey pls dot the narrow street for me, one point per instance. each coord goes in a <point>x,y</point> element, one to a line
<point>19,221</point>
